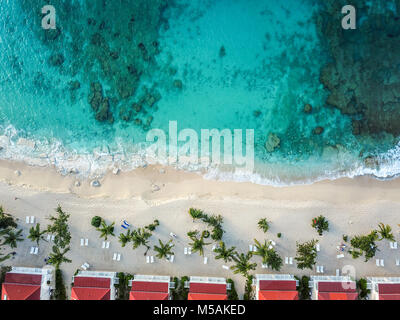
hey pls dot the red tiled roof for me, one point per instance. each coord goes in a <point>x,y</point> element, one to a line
<point>202,296</point>
<point>337,296</point>
<point>212,288</point>
<point>150,286</point>
<point>78,293</point>
<point>389,288</point>
<point>23,278</point>
<point>135,295</point>
<point>20,292</point>
<point>92,282</point>
<point>277,285</point>
<point>389,297</point>
<point>336,287</point>
<point>389,291</point>
<point>278,295</point>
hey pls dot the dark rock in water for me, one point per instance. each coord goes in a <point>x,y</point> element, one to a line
<point>371,162</point>
<point>114,55</point>
<point>102,25</point>
<point>99,104</point>
<point>318,130</point>
<point>149,120</point>
<point>91,22</point>
<point>74,85</point>
<point>222,52</point>
<point>97,39</point>
<point>257,113</point>
<point>132,70</point>
<point>178,84</point>
<point>273,142</point>
<point>52,34</point>
<point>172,71</point>
<point>125,114</point>
<point>308,108</point>
<point>56,59</point>
<point>137,107</point>
<point>138,122</point>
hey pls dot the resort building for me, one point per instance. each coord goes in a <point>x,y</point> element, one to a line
<point>275,287</point>
<point>203,288</point>
<point>28,284</point>
<point>384,288</point>
<point>92,285</point>
<point>150,288</point>
<point>333,288</point>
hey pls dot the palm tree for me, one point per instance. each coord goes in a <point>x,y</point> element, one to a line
<point>385,232</point>
<point>269,255</point>
<point>106,230</point>
<point>11,238</point>
<point>263,224</point>
<point>306,254</point>
<point>164,250</point>
<point>140,238</point>
<point>6,220</point>
<point>225,253</point>
<point>195,213</point>
<point>243,264</point>
<point>198,244</point>
<point>6,257</point>
<point>35,235</point>
<point>125,238</point>
<point>57,257</point>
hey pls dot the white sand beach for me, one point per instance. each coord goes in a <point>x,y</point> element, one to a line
<point>352,206</point>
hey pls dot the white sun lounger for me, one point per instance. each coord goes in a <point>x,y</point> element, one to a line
<point>393,245</point>
<point>337,272</point>
<point>270,247</point>
<point>214,247</point>
<point>147,259</point>
<point>225,267</point>
<point>382,263</point>
<point>317,246</point>
<point>86,242</point>
<point>151,259</point>
<point>36,250</point>
<point>115,256</point>
<point>272,242</point>
<point>286,260</point>
<point>340,256</point>
<point>250,248</point>
<point>53,237</point>
<point>205,260</point>
<point>189,250</point>
<point>185,251</point>
<point>48,237</point>
<point>119,257</point>
<point>171,259</point>
<point>254,249</point>
<point>83,267</point>
<point>32,250</point>
<point>82,242</point>
<point>32,219</point>
<point>27,219</point>
<point>108,245</point>
<point>397,262</point>
<point>377,263</point>
<point>317,267</point>
<point>290,260</point>
<point>322,269</point>
<point>103,245</point>
<point>264,266</point>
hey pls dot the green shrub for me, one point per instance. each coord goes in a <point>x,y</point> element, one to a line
<point>96,221</point>
<point>303,288</point>
<point>279,235</point>
<point>363,291</point>
<point>320,224</point>
<point>232,294</point>
<point>263,224</point>
<point>366,245</point>
<point>60,291</point>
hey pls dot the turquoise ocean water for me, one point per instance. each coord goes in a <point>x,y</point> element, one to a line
<point>235,64</point>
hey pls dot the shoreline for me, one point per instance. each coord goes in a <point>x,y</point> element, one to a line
<point>156,182</point>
